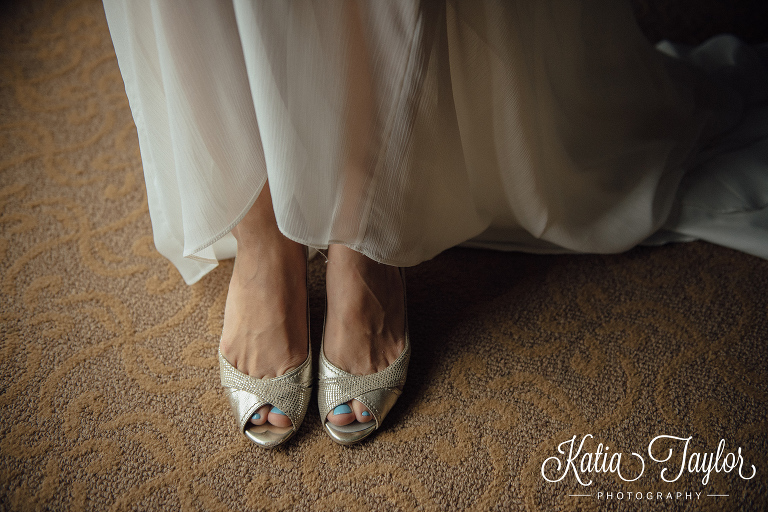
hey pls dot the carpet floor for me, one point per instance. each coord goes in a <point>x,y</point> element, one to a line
<point>109,382</point>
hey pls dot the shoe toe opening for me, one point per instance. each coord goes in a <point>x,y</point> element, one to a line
<point>267,435</point>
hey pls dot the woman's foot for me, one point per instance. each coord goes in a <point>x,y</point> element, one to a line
<point>265,317</point>
<point>365,321</point>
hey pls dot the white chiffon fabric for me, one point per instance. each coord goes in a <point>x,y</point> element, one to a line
<point>402,128</point>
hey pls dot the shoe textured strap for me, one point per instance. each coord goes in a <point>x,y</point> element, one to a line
<point>378,391</point>
<point>289,392</point>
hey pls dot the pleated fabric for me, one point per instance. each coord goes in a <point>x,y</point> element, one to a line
<point>402,128</point>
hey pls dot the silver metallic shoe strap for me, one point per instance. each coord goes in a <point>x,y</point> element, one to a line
<point>289,392</point>
<point>335,386</point>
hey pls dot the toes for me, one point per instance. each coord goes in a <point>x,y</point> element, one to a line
<point>259,416</point>
<point>341,415</point>
<point>361,412</point>
<point>278,418</point>
<point>344,414</point>
<point>270,414</point>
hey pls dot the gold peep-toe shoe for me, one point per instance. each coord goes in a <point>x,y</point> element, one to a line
<point>289,392</point>
<point>378,391</point>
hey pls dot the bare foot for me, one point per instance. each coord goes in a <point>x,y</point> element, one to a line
<point>265,318</point>
<point>365,322</point>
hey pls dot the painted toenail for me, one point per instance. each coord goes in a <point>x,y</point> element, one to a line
<point>366,413</point>
<point>256,416</point>
<point>342,409</point>
<point>277,411</point>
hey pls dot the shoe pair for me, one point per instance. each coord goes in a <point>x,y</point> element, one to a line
<point>290,393</point>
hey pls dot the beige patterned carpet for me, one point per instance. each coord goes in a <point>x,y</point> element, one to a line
<point>109,381</point>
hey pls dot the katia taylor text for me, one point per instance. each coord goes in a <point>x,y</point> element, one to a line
<point>679,458</point>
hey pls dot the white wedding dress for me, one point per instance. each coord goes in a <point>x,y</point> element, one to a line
<point>402,128</point>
